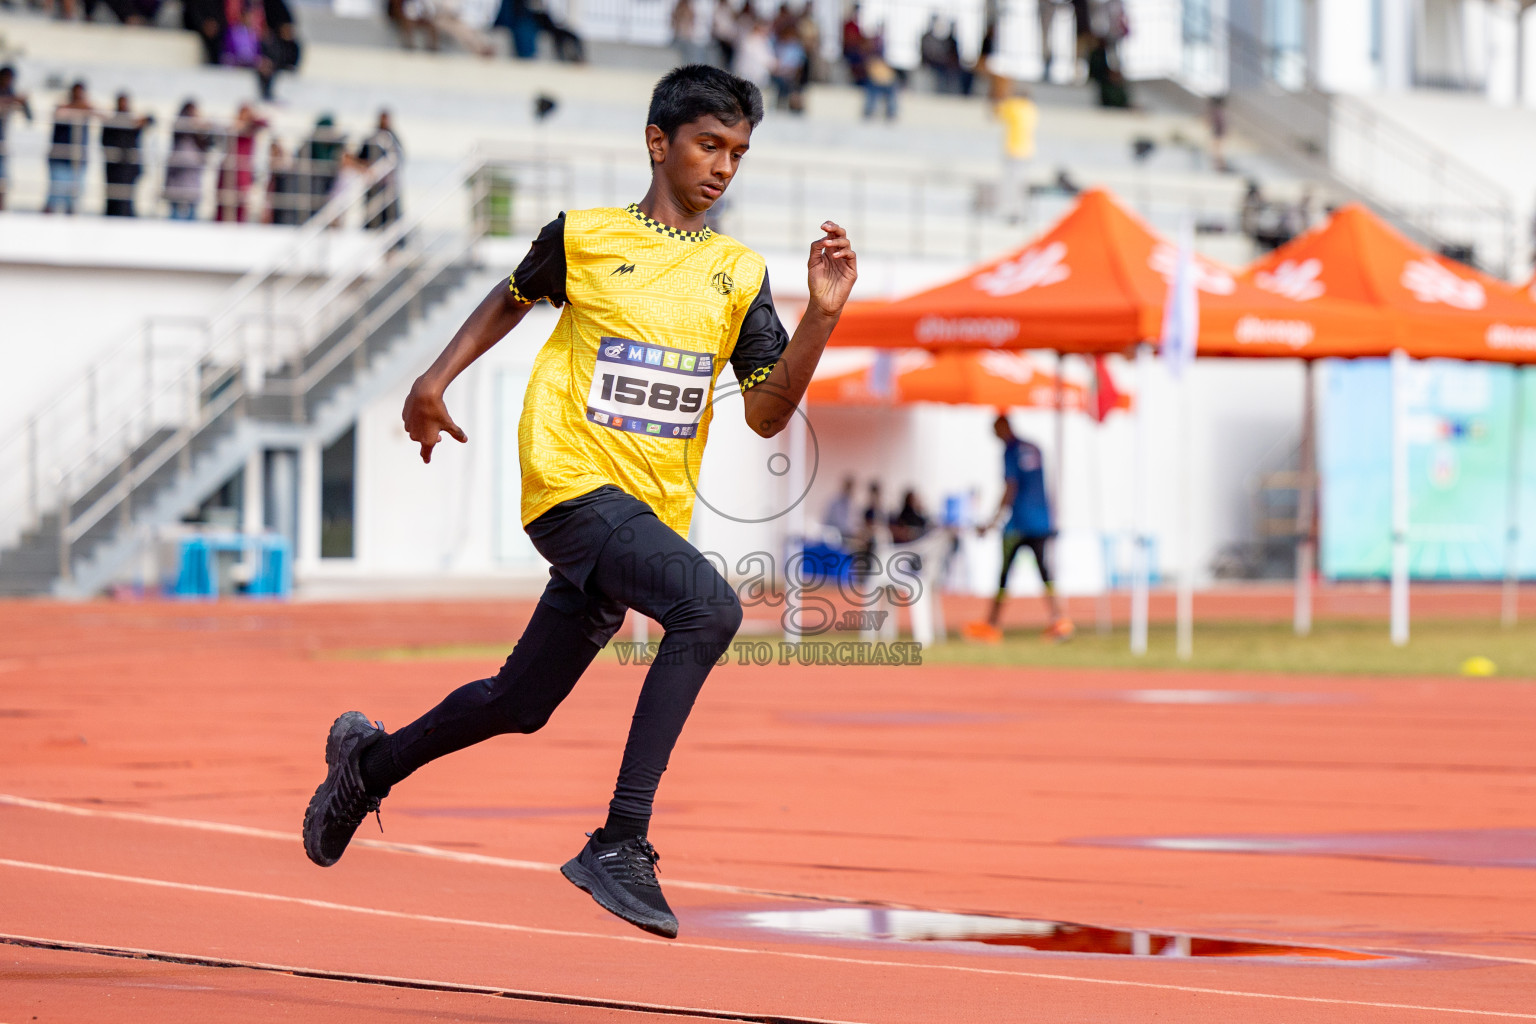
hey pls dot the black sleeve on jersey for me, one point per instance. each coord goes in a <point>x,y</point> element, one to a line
<point>761,341</point>
<point>541,275</point>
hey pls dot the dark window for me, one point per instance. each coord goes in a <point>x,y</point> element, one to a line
<point>338,492</point>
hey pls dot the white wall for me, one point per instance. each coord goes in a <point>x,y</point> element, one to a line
<point>57,321</point>
<point>1344,60</point>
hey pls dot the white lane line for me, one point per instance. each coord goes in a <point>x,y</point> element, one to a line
<point>459,857</point>
<point>414,849</point>
<point>423,984</point>
<point>737,950</point>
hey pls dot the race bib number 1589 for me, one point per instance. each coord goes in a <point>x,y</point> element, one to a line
<point>649,389</point>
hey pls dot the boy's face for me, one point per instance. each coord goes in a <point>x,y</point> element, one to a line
<point>700,159</point>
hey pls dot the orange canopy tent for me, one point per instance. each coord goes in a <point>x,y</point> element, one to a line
<point>999,379</point>
<point>1097,282</point>
<point>1437,307</point>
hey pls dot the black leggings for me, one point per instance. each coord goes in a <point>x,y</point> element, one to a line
<point>1013,543</point>
<point>644,565</point>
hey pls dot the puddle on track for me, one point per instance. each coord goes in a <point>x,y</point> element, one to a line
<point>915,927</point>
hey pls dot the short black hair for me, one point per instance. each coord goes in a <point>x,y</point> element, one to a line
<point>698,90</point>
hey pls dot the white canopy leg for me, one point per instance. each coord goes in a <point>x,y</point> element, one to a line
<point>1400,369</point>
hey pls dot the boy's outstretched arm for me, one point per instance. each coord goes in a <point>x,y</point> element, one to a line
<point>426,415</point>
<point>831,271</point>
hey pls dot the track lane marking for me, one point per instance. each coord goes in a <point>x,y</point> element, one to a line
<point>414,849</point>
<point>459,857</point>
<point>391,981</point>
<point>737,950</point>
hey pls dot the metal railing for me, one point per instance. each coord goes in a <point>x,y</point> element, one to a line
<point>172,373</point>
<point>127,164</point>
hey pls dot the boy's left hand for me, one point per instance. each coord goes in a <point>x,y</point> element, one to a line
<point>833,267</point>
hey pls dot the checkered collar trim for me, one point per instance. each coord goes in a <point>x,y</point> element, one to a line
<point>664,229</point>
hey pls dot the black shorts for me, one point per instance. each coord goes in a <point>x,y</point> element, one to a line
<point>570,536</point>
<point>1012,544</point>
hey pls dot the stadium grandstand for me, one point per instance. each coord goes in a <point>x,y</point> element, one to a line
<point>1249,163</point>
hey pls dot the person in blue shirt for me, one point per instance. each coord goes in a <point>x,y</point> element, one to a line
<point>1025,514</point>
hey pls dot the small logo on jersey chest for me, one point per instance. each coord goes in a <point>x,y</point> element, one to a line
<point>623,268</point>
<point>723,282</point>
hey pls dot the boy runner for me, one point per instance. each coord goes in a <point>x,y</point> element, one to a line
<point>1028,525</point>
<point>614,423</point>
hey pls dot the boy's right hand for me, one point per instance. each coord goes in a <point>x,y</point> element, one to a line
<point>426,418</point>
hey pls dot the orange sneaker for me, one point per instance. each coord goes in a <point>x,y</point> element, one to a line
<point>1061,630</point>
<point>983,632</point>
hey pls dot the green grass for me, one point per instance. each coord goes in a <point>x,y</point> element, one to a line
<point>1438,647</point>
<point>431,652</point>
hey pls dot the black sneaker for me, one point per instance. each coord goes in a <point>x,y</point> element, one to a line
<point>622,879</point>
<point>341,802</point>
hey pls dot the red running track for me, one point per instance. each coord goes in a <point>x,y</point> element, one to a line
<point>158,758</point>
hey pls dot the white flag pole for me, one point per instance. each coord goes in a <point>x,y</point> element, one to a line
<point>1510,612</point>
<point>1399,497</point>
<point>1142,555</point>
<point>1306,506</point>
<point>1186,596</point>
<point>1181,333</point>
<point>794,522</point>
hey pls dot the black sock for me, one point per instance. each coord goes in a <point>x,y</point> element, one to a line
<point>618,828</point>
<point>377,765</point>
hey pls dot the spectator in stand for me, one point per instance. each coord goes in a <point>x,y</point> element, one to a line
<point>932,54</point>
<point>206,18</point>
<point>1251,215</point>
<point>280,49</point>
<point>838,519</point>
<point>67,152</point>
<point>408,26</point>
<point>1082,28</point>
<point>988,47</point>
<point>383,196</point>
<point>809,34</point>
<point>442,17</point>
<point>129,12</point>
<point>692,30</point>
<point>10,102</point>
<point>525,19</point>
<point>869,529</point>
<point>940,52</point>
<point>754,55</point>
<point>784,20</point>
<point>319,161</point>
<point>853,46</point>
<point>191,139</point>
<point>1017,113</point>
<point>788,71</point>
<point>1113,90</point>
<point>123,155</point>
<point>284,199</point>
<point>728,25</point>
<point>1216,117</point>
<point>237,171</point>
<point>880,79</point>
<point>1046,11</point>
<point>241,45</point>
<point>911,522</point>
<point>1302,212</point>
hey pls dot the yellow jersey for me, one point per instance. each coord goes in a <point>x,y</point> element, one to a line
<point>621,393</point>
